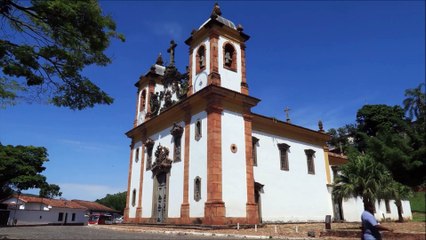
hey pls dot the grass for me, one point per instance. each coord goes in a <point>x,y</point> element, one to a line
<point>418,202</point>
<point>418,206</point>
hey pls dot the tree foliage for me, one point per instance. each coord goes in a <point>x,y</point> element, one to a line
<point>392,135</point>
<point>115,201</point>
<point>44,47</point>
<point>21,167</point>
<point>50,191</point>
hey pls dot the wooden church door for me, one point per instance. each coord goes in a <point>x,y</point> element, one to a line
<point>161,197</point>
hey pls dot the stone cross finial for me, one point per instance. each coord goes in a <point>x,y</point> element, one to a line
<point>287,115</point>
<point>159,60</point>
<point>171,50</point>
<point>216,10</point>
<point>320,126</point>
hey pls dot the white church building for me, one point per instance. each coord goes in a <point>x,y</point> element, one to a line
<point>199,155</point>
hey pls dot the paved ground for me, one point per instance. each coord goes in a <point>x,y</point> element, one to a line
<point>83,232</point>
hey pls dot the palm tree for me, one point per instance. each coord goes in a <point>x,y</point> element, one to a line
<point>398,192</point>
<point>415,103</point>
<point>362,177</point>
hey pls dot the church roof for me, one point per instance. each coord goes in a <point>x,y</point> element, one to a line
<point>222,20</point>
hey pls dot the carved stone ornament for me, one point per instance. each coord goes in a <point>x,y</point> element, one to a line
<point>162,162</point>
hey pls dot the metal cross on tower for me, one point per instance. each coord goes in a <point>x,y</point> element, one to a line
<point>171,50</point>
<point>287,115</point>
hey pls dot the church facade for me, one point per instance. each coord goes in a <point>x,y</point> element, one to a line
<point>199,155</point>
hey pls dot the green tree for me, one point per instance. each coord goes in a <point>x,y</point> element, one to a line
<point>115,201</point>
<point>362,177</point>
<point>390,138</point>
<point>342,138</point>
<point>50,191</point>
<point>44,47</point>
<point>415,103</point>
<point>21,167</point>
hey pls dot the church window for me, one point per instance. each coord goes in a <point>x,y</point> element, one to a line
<point>254,142</point>
<point>310,159</point>
<point>197,189</point>
<point>137,155</point>
<point>149,145</point>
<point>284,156</point>
<point>176,132</point>
<point>73,217</point>
<point>201,59</point>
<point>198,130</point>
<point>134,197</point>
<point>142,101</point>
<point>229,57</point>
<point>387,206</point>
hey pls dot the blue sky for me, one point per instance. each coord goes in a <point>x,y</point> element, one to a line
<point>322,59</point>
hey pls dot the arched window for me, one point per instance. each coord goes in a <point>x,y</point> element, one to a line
<point>229,57</point>
<point>134,197</point>
<point>201,59</point>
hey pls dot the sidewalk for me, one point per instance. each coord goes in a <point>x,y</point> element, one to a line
<point>339,231</point>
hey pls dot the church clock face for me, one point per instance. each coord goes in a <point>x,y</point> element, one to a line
<point>200,81</point>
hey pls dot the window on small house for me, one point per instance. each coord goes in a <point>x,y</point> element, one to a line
<point>137,155</point>
<point>60,216</point>
<point>134,197</point>
<point>387,206</point>
<point>73,217</point>
<point>201,58</point>
<point>198,130</point>
<point>149,144</point>
<point>284,156</point>
<point>254,142</point>
<point>197,189</point>
<point>229,57</point>
<point>310,160</point>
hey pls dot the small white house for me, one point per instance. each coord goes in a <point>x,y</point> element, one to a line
<point>31,210</point>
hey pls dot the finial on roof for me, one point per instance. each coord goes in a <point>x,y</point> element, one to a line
<point>287,115</point>
<point>216,10</point>
<point>320,126</point>
<point>159,60</point>
<point>240,28</point>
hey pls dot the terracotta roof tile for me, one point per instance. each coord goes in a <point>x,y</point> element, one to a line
<point>94,206</point>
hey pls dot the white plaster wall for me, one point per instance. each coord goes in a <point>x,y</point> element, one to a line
<point>198,164</point>
<point>229,79</point>
<point>292,195</point>
<point>36,217</point>
<point>234,180</point>
<point>353,208</point>
<point>175,190</point>
<point>199,80</point>
<point>135,179</point>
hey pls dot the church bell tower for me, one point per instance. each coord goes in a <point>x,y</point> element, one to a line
<point>217,55</point>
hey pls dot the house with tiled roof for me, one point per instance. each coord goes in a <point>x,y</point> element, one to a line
<point>95,207</point>
<point>33,210</point>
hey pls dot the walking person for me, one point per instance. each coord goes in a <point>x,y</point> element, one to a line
<point>370,227</point>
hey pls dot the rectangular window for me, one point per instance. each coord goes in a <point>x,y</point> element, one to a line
<point>387,206</point>
<point>310,159</point>
<point>73,217</point>
<point>61,217</point>
<point>149,144</point>
<point>177,132</point>
<point>137,155</point>
<point>284,156</point>
<point>254,141</point>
